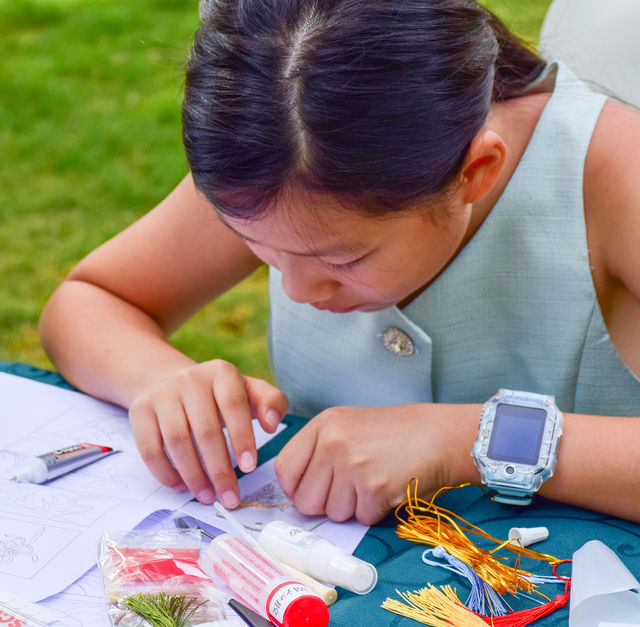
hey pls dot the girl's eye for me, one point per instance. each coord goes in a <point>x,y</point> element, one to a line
<point>342,267</point>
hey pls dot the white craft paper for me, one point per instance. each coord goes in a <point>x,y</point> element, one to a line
<point>48,533</point>
<point>603,591</point>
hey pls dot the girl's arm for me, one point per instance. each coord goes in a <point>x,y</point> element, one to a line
<point>357,461</point>
<point>105,326</point>
<point>105,329</point>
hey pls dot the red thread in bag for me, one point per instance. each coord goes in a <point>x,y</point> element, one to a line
<point>135,565</point>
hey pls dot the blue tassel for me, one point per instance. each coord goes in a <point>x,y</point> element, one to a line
<point>483,599</point>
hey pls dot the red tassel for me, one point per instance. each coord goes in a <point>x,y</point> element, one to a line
<point>526,617</point>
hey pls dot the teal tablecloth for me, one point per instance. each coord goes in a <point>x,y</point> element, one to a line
<point>399,561</point>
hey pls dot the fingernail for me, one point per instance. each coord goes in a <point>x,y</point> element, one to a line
<point>272,417</point>
<point>247,462</point>
<point>181,487</point>
<point>206,496</point>
<point>229,499</point>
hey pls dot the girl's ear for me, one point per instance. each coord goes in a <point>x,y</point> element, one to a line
<point>482,165</point>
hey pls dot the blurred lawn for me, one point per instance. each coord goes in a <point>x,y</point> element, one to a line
<point>90,94</point>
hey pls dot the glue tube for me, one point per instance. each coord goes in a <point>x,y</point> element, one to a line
<point>318,557</point>
<point>60,462</point>
<point>264,585</point>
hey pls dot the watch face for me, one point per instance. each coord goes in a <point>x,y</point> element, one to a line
<point>517,434</point>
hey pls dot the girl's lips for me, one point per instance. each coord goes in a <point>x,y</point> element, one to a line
<point>336,309</point>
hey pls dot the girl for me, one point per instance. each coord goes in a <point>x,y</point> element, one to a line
<point>443,215</point>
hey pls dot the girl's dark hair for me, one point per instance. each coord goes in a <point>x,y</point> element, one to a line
<point>373,101</point>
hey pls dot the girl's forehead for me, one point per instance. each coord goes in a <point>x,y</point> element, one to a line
<point>308,231</point>
<point>322,225</point>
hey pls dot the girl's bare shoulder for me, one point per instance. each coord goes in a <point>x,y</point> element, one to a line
<point>612,195</point>
<point>612,213</point>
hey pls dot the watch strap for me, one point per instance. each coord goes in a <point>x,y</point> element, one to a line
<point>510,496</point>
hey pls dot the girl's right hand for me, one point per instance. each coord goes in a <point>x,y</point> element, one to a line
<point>177,424</point>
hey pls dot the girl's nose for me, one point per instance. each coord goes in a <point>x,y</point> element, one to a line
<point>303,285</point>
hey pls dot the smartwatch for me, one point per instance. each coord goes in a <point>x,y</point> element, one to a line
<point>517,444</point>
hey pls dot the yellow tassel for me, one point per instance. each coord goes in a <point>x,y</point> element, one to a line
<point>434,607</point>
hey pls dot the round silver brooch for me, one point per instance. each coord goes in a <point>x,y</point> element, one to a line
<point>398,342</point>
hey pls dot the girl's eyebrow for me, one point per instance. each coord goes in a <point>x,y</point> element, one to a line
<point>312,252</point>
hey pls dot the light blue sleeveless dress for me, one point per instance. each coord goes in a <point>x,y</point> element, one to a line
<point>516,309</point>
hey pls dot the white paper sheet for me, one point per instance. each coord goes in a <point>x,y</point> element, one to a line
<point>48,533</point>
<point>603,591</point>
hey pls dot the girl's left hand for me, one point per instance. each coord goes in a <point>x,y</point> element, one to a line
<point>357,461</point>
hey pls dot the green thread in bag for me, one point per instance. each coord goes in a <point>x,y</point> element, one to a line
<point>162,610</point>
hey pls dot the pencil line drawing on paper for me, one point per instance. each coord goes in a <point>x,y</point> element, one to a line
<point>26,548</point>
<point>261,487</point>
<point>12,545</point>
<point>9,464</point>
<point>82,603</point>
<point>270,494</point>
<point>272,504</point>
<point>119,477</point>
<point>52,504</point>
<point>76,425</point>
<point>94,480</point>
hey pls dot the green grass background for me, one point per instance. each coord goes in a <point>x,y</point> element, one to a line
<point>90,95</point>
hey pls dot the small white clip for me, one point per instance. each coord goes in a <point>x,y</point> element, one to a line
<point>524,536</point>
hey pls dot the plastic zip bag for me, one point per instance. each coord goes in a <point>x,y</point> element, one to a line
<point>152,562</point>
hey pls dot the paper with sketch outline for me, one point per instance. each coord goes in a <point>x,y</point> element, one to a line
<point>603,591</point>
<point>261,486</point>
<point>48,533</point>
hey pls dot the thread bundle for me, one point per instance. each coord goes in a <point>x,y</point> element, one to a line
<point>489,576</point>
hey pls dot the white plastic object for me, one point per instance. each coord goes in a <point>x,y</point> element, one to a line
<point>263,585</point>
<point>603,590</point>
<point>524,536</point>
<point>318,557</point>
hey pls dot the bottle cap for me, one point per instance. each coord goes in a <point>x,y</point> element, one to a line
<point>352,573</point>
<point>306,611</point>
<point>524,536</point>
<point>33,470</point>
